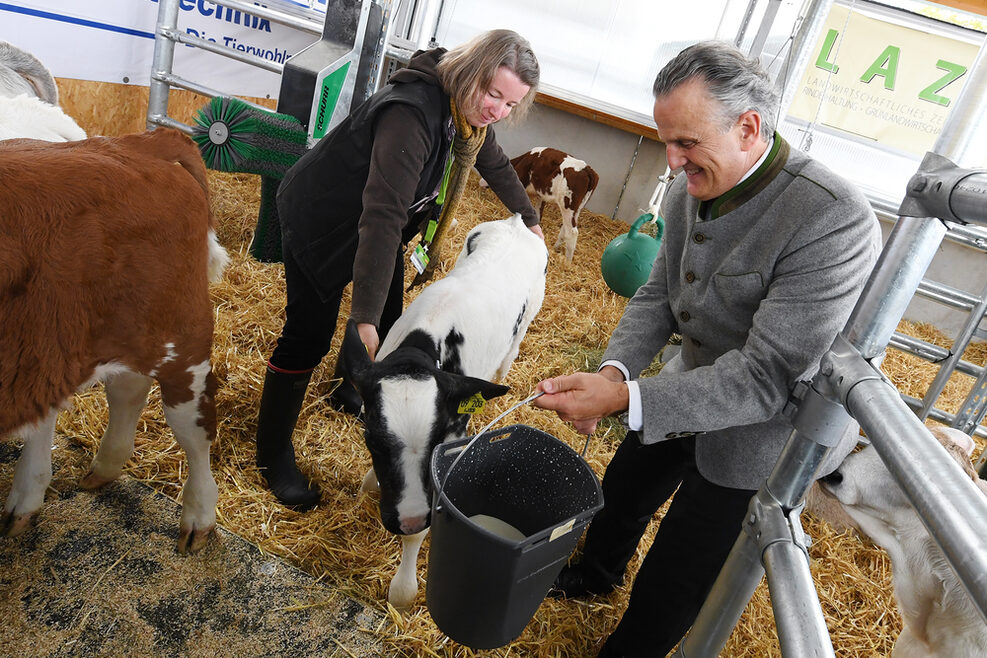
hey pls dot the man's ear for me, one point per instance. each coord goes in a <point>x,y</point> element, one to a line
<point>750,128</point>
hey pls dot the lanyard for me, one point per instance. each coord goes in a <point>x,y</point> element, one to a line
<point>440,199</point>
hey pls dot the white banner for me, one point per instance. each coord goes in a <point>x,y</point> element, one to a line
<point>113,40</point>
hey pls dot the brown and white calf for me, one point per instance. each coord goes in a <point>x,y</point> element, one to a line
<point>461,332</point>
<point>552,176</point>
<point>106,252</point>
<point>939,617</point>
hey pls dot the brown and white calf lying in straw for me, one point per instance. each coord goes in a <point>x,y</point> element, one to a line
<point>460,332</point>
<point>552,176</point>
<point>106,252</point>
<point>29,100</point>
<point>939,618</point>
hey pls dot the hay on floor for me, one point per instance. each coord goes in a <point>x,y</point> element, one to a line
<point>342,541</point>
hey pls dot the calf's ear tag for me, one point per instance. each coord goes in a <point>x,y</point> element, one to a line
<point>473,404</point>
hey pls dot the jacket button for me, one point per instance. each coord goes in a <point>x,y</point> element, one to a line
<point>684,316</point>
<point>690,277</point>
<point>699,237</point>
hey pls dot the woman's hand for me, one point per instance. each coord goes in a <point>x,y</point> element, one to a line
<point>368,334</point>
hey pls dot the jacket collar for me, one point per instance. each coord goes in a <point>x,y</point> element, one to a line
<point>753,184</point>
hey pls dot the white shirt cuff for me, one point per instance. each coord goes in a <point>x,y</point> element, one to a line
<point>619,366</point>
<point>635,416</point>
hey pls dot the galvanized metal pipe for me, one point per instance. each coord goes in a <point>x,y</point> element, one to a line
<point>949,365</point>
<point>218,49</point>
<point>972,236</point>
<point>725,604</point>
<point>202,90</point>
<point>757,46</point>
<point>948,419</point>
<point>311,25</point>
<point>168,34</point>
<point>892,284</point>
<point>161,62</point>
<point>947,295</point>
<point>772,527</point>
<point>968,200</point>
<point>803,43</point>
<point>168,122</point>
<point>801,626</point>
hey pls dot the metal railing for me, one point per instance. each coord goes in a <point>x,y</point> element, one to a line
<point>167,34</point>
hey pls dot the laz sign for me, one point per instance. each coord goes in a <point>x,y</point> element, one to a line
<point>885,66</point>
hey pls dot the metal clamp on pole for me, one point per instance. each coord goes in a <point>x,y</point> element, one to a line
<point>768,523</point>
<point>784,553</point>
<point>942,189</point>
<point>844,367</point>
<point>815,415</point>
<point>820,423</point>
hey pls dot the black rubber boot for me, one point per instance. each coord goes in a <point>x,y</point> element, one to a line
<point>345,397</point>
<point>279,406</point>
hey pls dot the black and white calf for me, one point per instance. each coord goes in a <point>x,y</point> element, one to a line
<point>460,332</point>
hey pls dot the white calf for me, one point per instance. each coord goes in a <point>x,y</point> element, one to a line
<point>939,618</point>
<point>458,333</point>
<point>29,100</point>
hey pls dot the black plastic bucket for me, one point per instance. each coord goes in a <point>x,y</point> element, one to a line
<point>484,586</point>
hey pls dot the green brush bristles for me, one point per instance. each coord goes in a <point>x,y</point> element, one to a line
<point>235,136</point>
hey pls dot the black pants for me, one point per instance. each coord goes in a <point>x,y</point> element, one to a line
<point>693,541</point>
<point>310,318</point>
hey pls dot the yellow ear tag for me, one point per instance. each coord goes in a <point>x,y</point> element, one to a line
<point>472,405</point>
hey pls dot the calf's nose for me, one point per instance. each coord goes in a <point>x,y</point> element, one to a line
<point>412,525</point>
<point>833,478</point>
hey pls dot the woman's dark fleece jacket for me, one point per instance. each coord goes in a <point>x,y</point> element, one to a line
<point>350,203</point>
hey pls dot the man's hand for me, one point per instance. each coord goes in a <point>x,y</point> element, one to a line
<point>584,398</point>
<point>536,229</point>
<point>368,334</point>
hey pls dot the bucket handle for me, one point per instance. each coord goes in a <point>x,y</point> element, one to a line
<point>462,452</point>
<point>480,433</point>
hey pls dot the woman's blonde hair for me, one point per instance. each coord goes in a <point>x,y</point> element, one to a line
<point>467,71</point>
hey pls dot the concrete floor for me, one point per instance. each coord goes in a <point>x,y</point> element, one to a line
<point>98,575</point>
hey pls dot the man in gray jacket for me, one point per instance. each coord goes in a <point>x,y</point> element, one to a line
<point>764,255</point>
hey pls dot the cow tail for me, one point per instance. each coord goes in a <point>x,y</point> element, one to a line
<point>184,151</point>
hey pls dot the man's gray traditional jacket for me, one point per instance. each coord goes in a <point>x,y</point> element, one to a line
<point>758,292</point>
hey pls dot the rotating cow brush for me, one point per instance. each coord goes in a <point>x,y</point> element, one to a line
<point>234,135</point>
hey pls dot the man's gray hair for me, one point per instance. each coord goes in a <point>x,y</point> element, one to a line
<point>738,82</point>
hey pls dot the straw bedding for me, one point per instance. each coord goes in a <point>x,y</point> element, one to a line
<point>342,542</point>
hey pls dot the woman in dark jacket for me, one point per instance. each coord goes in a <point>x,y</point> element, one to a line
<point>350,205</point>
